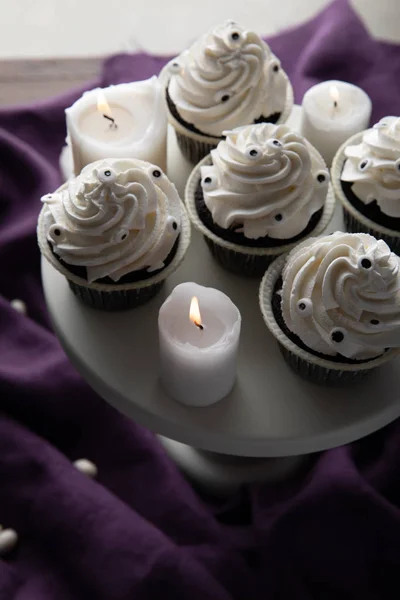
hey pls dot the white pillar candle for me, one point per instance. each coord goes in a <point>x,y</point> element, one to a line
<point>332,112</point>
<point>122,121</point>
<point>198,348</point>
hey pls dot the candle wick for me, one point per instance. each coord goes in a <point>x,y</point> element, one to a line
<point>199,325</point>
<point>113,124</point>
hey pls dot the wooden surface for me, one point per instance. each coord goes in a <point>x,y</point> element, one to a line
<point>24,81</point>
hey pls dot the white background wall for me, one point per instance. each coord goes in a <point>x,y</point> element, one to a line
<point>55,28</point>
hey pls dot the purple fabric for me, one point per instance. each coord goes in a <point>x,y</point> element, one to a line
<point>140,531</point>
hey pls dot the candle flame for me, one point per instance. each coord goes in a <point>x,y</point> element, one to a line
<point>194,312</point>
<point>102,105</point>
<point>334,94</point>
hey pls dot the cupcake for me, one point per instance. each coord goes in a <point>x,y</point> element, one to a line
<point>262,190</point>
<point>115,232</point>
<point>333,304</point>
<point>366,179</point>
<point>228,78</point>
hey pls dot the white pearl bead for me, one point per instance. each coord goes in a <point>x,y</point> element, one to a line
<point>86,466</point>
<point>19,306</point>
<point>8,539</point>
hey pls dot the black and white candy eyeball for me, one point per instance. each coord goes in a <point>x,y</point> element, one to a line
<point>275,144</point>
<point>175,67</point>
<point>338,335</point>
<point>172,226</point>
<point>121,235</point>
<point>364,164</point>
<point>208,183</point>
<point>365,263</point>
<point>223,96</point>
<point>156,173</point>
<point>375,322</point>
<point>275,66</point>
<point>322,177</point>
<point>304,307</point>
<point>235,36</point>
<point>56,233</point>
<point>254,152</point>
<point>106,175</point>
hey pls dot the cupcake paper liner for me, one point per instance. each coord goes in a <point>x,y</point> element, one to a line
<point>114,297</point>
<point>195,146</point>
<point>114,301</point>
<point>244,260</point>
<point>355,222</point>
<point>313,368</point>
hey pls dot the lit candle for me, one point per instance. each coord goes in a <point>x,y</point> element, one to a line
<point>333,111</point>
<point>199,330</point>
<point>122,121</point>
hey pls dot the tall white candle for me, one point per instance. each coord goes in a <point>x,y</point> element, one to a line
<point>122,121</point>
<point>332,112</point>
<point>198,348</point>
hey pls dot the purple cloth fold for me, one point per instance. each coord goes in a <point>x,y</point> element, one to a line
<point>139,530</point>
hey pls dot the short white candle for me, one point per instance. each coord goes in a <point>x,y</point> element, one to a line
<point>198,351</point>
<point>332,112</point>
<point>122,121</point>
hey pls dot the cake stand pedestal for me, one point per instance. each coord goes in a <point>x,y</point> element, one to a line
<point>272,419</point>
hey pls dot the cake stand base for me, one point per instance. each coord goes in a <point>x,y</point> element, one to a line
<point>222,474</point>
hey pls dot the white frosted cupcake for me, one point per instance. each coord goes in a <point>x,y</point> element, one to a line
<point>261,191</point>
<point>228,78</point>
<point>366,178</point>
<point>116,232</point>
<point>333,304</point>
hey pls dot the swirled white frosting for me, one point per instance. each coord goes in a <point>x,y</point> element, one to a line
<point>116,217</point>
<point>266,179</point>
<point>341,295</point>
<point>374,166</point>
<point>229,77</point>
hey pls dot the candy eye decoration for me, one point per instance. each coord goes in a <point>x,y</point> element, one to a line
<point>375,322</point>
<point>338,335</point>
<point>278,217</point>
<point>304,307</point>
<point>275,66</point>
<point>253,152</point>
<point>156,173</point>
<point>208,183</point>
<point>121,235</point>
<point>235,36</point>
<point>106,175</point>
<point>172,226</point>
<point>364,164</point>
<point>223,96</point>
<point>364,263</point>
<point>56,233</point>
<point>175,67</point>
<point>322,177</point>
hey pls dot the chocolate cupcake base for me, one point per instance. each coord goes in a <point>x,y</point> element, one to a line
<point>314,367</point>
<point>355,221</point>
<point>195,145</point>
<point>252,257</point>
<point>354,224</point>
<point>239,262</point>
<point>113,296</point>
<point>194,150</point>
<point>114,301</point>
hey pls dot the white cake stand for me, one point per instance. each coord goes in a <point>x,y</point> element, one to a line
<point>266,425</point>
